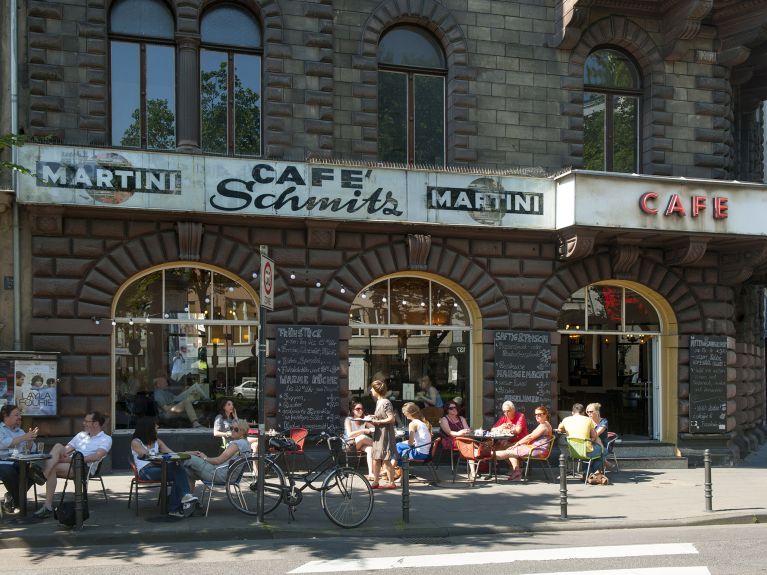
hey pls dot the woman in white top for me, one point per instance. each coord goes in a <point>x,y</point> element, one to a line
<point>145,442</point>
<point>361,433</point>
<point>419,434</point>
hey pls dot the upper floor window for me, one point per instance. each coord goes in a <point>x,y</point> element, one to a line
<point>612,88</point>
<point>143,72</point>
<point>230,82</point>
<point>411,97</point>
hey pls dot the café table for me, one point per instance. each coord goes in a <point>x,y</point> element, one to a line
<point>494,441</point>
<point>163,459</point>
<point>25,460</point>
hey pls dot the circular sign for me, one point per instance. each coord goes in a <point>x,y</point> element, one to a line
<point>268,278</point>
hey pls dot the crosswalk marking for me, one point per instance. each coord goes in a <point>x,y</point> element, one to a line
<point>490,557</point>
<point>643,571</point>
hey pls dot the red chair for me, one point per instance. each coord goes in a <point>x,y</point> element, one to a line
<point>429,461</point>
<point>475,452</point>
<point>543,459</point>
<point>137,482</point>
<point>298,435</point>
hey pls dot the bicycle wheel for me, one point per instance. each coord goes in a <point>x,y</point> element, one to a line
<point>242,485</point>
<point>347,498</point>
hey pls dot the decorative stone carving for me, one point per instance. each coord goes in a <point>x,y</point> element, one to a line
<point>572,18</point>
<point>419,246</point>
<point>624,255</point>
<point>690,251</point>
<point>738,266</point>
<point>48,221</point>
<point>321,235</point>
<point>682,22</point>
<point>576,244</point>
<point>189,240</point>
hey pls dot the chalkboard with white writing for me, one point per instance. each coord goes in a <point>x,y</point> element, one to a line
<point>307,378</point>
<point>523,371</point>
<point>708,384</point>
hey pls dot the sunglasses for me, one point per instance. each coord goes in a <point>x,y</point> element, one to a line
<point>589,412</point>
<point>452,407</point>
<point>358,409</point>
<point>236,429</point>
<point>537,413</point>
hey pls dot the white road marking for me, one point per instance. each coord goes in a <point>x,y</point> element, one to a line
<point>645,571</point>
<point>479,558</point>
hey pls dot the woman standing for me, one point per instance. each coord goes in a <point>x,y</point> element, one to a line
<point>383,436</point>
<point>452,425</point>
<point>536,442</point>
<point>360,433</point>
<point>144,443</point>
<point>419,434</point>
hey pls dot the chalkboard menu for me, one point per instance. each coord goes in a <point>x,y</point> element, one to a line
<point>307,377</point>
<point>523,371</point>
<point>708,384</point>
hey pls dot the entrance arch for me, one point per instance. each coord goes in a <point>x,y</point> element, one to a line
<point>409,324</point>
<point>186,327</point>
<point>622,354</point>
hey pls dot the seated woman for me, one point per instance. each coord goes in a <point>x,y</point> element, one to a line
<point>145,442</point>
<point>536,442</point>
<point>361,433</point>
<point>600,423</point>
<point>419,434</point>
<point>428,394</point>
<point>511,423</point>
<point>452,425</point>
<point>12,436</point>
<point>203,468</point>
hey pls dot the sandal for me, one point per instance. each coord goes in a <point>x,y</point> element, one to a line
<point>515,476</point>
<point>387,486</point>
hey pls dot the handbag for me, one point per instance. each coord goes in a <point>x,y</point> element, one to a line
<point>65,511</point>
<point>598,478</point>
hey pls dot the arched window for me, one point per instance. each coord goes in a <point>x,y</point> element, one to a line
<point>411,97</point>
<point>404,328</point>
<point>188,331</point>
<point>612,88</point>
<point>143,75</point>
<point>230,82</point>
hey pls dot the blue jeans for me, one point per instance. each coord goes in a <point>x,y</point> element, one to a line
<point>9,475</point>
<point>403,446</point>
<point>597,464</point>
<point>176,474</point>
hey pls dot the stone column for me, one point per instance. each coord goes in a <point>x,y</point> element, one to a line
<point>188,93</point>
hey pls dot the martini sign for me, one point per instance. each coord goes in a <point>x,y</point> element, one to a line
<point>267,283</point>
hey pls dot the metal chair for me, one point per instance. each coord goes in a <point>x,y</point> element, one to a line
<point>94,474</point>
<point>220,480</point>
<point>543,459</point>
<point>137,482</point>
<point>429,461</point>
<point>475,452</point>
<point>578,452</point>
<point>609,451</point>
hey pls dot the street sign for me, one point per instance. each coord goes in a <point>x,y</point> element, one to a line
<point>267,283</point>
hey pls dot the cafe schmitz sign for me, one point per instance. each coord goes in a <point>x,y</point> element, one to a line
<point>181,182</point>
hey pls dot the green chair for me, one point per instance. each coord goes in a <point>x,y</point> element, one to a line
<point>578,452</point>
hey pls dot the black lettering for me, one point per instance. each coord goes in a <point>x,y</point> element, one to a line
<point>351,178</point>
<point>393,211</point>
<point>292,175</point>
<point>257,173</point>
<point>283,199</point>
<point>320,174</point>
<point>227,192</point>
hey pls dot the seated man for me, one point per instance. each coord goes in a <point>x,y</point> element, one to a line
<point>173,405</point>
<point>92,442</point>
<point>579,426</point>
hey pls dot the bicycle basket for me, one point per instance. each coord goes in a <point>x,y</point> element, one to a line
<point>283,444</point>
<point>336,446</point>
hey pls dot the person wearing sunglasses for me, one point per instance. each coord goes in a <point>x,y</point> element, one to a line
<point>361,434</point>
<point>144,443</point>
<point>600,423</point>
<point>452,425</point>
<point>201,467</point>
<point>537,442</point>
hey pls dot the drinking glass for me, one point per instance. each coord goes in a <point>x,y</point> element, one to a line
<point>40,447</point>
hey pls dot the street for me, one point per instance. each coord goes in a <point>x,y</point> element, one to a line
<point>654,551</point>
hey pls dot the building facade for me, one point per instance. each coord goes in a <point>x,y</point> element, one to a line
<point>453,187</point>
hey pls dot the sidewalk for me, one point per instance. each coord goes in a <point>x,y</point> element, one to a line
<point>636,498</point>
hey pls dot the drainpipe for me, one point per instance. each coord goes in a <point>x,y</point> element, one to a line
<point>15,175</point>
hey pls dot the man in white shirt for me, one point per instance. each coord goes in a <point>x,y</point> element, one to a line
<point>92,442</point>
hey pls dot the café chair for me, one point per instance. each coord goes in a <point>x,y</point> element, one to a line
<point>543,460</point>
<point>137,482</point>
<point>220,477</point>
<point>612,440</point>
<point>94,474</point>
<point>298,435</point>
<point>577,449</point>
<point>475,452</point>
<point>429,461</point>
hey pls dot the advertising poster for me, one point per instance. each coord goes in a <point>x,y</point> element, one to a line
<point>36,387</point>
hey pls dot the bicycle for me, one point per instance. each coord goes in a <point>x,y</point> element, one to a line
<point>346,495</point>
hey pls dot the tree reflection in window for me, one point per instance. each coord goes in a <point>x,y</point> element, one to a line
<point>230,82</point>
<point>411,97</point>
<point>143,73</point>
<point>612,88</point>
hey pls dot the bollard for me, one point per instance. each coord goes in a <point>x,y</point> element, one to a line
<point>79,464</point>
<point>562,487</point>
<point>707,482</point>
<point>406,486</point>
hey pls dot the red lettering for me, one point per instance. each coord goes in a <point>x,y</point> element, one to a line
<point>644,203</point>
<point>698,204</point>
<point>675,206</point>
<point>720,208</point>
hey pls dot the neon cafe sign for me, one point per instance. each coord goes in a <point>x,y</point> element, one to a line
<point>650,203</point>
